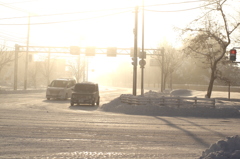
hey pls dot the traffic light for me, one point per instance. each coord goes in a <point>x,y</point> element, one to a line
<point>233,53</point>
<point>112,51</point>
<point>74,50</point>
<point>134,61</point>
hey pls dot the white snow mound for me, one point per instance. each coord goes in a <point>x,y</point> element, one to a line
<point>223,149</point>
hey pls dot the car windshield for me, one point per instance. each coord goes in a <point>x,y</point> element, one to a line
<point>58,83</point>
<point>84,87</point>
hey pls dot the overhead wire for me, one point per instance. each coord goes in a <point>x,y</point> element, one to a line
<point>102,16</point>
<point>69,20</point>
<point>19,2</point>
<point>12,39</point>
<point>174,3</point>
<point>56,14</point>
<point>180,10</point>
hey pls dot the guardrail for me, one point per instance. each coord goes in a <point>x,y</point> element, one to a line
<point>168,101</point>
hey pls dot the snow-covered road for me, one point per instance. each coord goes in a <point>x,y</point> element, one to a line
<point>32,127</point>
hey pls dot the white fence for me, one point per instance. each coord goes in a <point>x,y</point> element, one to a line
<point>168,101</point>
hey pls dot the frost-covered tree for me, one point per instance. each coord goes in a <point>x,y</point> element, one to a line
<point>210,36</point>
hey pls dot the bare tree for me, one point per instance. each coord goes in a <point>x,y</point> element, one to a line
<point>172,60</point>
<point>33,73</point>
<point>210,36</point>
<point>6,57</point>
<point>47,67</point>
<point>77,67</point>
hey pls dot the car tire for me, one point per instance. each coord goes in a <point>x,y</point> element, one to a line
<point>72,104</point>
<point>48,98</point>
<point>98,102</point>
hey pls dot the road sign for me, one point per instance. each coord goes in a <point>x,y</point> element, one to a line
<point>142,63</point>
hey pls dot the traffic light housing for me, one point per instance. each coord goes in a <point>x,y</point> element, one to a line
<point>134,61</point>
<point>74,50</point>
<point>233,53</point>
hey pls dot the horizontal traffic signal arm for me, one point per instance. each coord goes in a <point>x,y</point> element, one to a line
<point>53,49</point>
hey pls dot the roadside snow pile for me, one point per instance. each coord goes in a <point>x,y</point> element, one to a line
<point>223,149</point>
<point>118,107</point>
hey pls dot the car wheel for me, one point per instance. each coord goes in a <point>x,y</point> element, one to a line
<point>72,104</point>
<point>98,102</point>
<point>93,103</point>
<point>48,98</point>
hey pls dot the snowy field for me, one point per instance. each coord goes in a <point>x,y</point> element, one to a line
<point>226,148</point>
<point>225,108</point>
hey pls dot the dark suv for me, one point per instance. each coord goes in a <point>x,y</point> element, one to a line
<point>85,93</point>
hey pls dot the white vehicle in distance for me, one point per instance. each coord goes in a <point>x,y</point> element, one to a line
<point>60,88</point>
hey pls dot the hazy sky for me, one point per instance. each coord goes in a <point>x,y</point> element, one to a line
<point>100,23</point>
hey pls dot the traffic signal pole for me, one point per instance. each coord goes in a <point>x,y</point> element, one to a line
<point>142,67</point>
<point>135,53</point>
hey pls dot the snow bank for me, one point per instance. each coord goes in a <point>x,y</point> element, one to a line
<point>223,149</point>
<point>117,106</point>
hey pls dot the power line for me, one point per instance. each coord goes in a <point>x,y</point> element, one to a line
<point>174,3</point>
<point>7,33</point>
<point>12,39</point>
<point>104,15</point>
<point>19,2</point>
<point>174,10</point>
<point>70,20</point>
<point>98,10</point>
<point>56,14</point>
<point>180,10</point>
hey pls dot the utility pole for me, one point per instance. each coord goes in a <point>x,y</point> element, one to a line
<point>16,67</point>
<point>26,65</point>
<point>142,67</point>
<point>135,53</point>
<point>48,67</point>
<point>162,81</point>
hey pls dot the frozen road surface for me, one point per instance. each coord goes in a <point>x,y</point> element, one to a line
<point>33,127</point>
